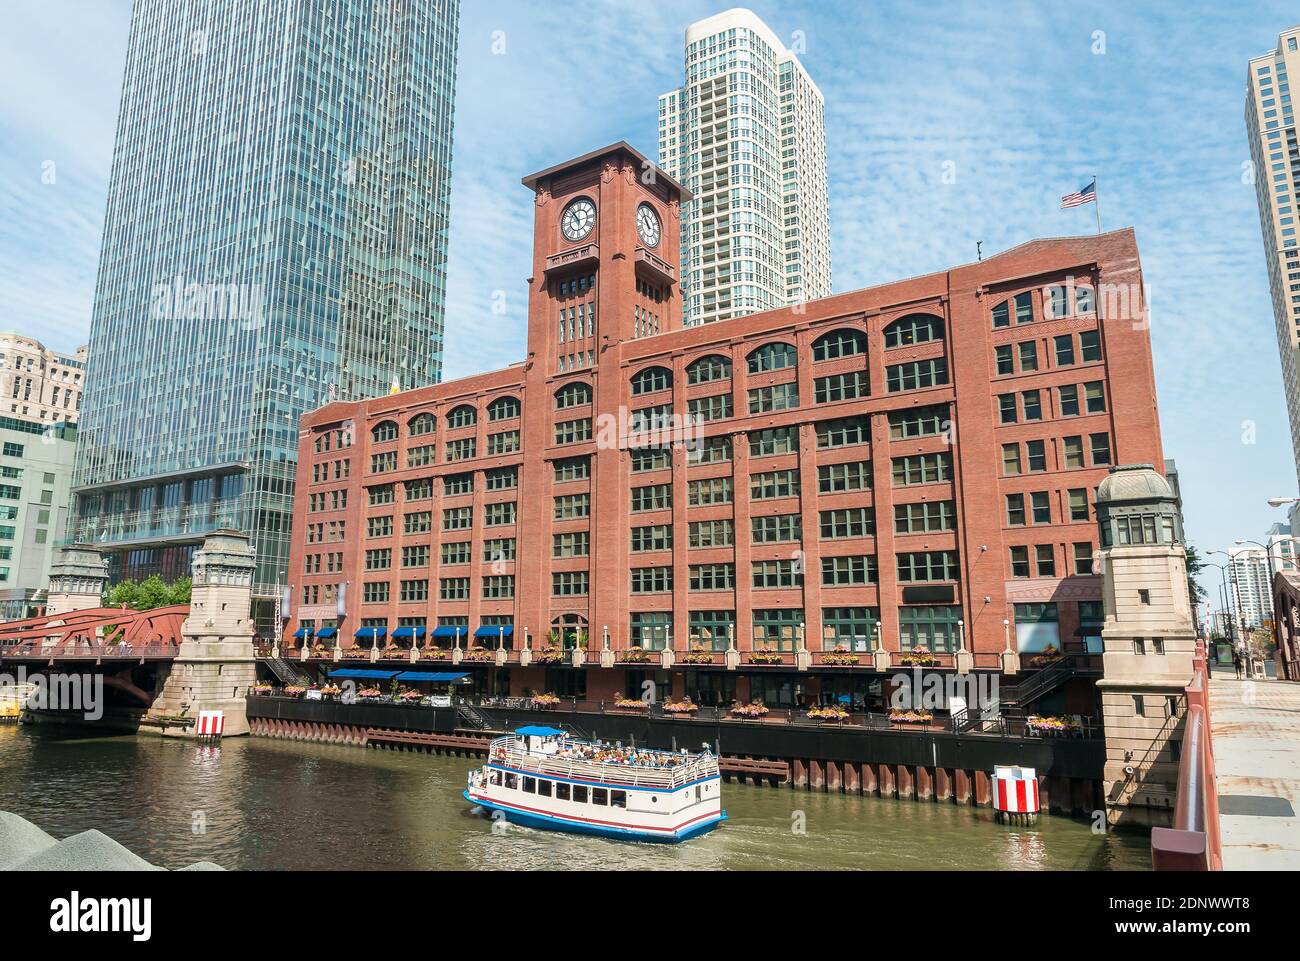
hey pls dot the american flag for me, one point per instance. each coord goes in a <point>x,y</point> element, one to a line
<point>1088,195</point>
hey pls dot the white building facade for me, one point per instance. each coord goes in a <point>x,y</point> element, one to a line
<point>1275,157</point>
<point>746,134</point>
<point>1250,585</point>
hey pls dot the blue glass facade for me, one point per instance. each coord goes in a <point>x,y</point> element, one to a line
<point>275,238</point>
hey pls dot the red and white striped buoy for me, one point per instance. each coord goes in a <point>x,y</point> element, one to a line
<point>210,725</point>
<point>1015,794</point>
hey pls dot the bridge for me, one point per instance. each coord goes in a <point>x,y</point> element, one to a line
<point>98,634</point>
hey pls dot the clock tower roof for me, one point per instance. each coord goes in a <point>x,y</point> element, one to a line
<point>622,147</point>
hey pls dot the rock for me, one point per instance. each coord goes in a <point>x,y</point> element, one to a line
<point>20,839</point>
<point>88,851</point>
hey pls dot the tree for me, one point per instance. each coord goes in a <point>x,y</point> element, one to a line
<point>153,592</point>
<point>1195,592</point>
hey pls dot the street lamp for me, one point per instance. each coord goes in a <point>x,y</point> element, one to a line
<point>1236,589</point>
<point>1282,501</point>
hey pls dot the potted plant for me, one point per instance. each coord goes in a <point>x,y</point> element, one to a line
<point>1047,724</point>
<point>698,655</point>
<point>330,691</point>
<point>262,688</point>
<point>900,716</point>
<point>295,690</point>
<point>410,697</point>
<point>355,653</point>
<point>918,657</point>
<point>1049,655</point>
<point>551,655</point>
<point>840,657</point>
<point>394,654</point>
<point>370,694</point>
<point>828,712</point>
<point>754,709</point>
<point>634,655</point>
<point>684,706</point>
<point>477,654</point>
<point>764,654</point>
<point>436,654</point>
<point>630,703</point>
<point>547,700</point>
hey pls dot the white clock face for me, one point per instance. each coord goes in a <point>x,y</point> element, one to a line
<point>579,217</point>
<point>647,225</point>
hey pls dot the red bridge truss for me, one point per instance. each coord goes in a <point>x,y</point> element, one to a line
<point>100,633</point>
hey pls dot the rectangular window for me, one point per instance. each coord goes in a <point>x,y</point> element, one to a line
<point>499,587</point>
<point>918,422</point>
<point>1032,402</point>
<point>1095,397</point>
<point>650,458</point>
<point>1042,507</point>
<point>456,553</point>
<point>575,544</point>
<point>656,497</point>
<point>1045,558</point>
<point>1089,346</point>
<point>773,484</point>
<point>498,549</point>
<point>652,580</point>
<point>502,479</point>
<point>934,628</point>
<point>1020,562</point>
<point>1069,395</point>
<point>764,400</point>
<point>454,485</point>
<point>716,407</point>
<point>922,469</point>
<point>776,528</point>
<point>1028,351</point>
<point>710,490</point>
<point>1004,359</point>
<point>498,515</point>
<point>462,449</point>
<point>1010,460</point>
<point>573,431</point>
<point>927,566</point>
<point>569,507</point>
<point>916,374</point>
<point>719,533</point>
<point>1025,307</point>
<point>453,589</point>
<point>850,386</point>
<point>776,628</point>
<point>1064,344</point>
<point>1036,456</point>
<point>848,522</point>
<point>1072,452</point>
<point>1083,558</point>
<point>569,584</point>
<point>576,468</point>
<point>712,577</point>
<point>457,518</point>
<point>658,537</point>
<point>775,574</point>
<point>1016,510</point>
<point>777,440</point>
<point>1007,411</point>
<point>854,570</point>
<point>843,432</point>
<point>1078,504</point>
<point>1100,444</point>
<point>836,478</point>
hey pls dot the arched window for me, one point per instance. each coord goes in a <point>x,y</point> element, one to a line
<point>384,431</point>
<point>913,329</point>
<point>503,408</point>
<point>462,416</point>
<point>421,424</point>
<point>839,343</point>
<point>569,631</point>
<point>651,379</point>
<point>712,367</point>
<point>772,357</point>
<point>576,394</point>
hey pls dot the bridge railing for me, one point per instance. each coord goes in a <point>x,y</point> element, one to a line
<point>82,648</point>
<point>1193,843</point>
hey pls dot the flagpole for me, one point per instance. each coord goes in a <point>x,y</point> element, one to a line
<point>1096,202</point>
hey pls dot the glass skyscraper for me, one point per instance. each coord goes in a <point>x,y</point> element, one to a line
<point>275,238</point>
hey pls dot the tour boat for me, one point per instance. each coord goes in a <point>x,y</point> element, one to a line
<point>540,777</point>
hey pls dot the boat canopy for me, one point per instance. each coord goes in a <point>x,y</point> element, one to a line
<point>538,731</point>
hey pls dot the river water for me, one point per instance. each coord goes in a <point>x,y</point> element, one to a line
<point>254,803</point>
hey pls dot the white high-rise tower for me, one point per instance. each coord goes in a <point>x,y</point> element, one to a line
<point>746,135</point>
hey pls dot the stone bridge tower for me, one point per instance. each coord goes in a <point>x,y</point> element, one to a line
<point>216,665</point>
<point>77,579</point>
<point>1149,641</point>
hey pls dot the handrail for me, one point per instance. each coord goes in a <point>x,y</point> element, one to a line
<point>1193,843</point>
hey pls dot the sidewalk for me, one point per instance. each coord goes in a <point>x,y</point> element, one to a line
<point>1256,732</point>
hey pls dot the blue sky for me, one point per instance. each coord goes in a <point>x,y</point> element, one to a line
<point>1014,94</point>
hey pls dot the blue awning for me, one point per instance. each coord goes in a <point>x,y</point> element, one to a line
<point>487,630</point>
<point>325,633</point>
<point>459,631</point>
<point>370,633</point>
<point>536,731</point>
<point>357,674</point>
<point>300,633</point>
<point>430,676</point>
<point>409,630</point>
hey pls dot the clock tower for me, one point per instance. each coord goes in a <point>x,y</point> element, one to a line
<point>606,246</point>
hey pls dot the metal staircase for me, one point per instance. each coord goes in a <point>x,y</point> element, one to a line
<point>284,671</point>
<point>470,716</point>
<point>1041,682</point>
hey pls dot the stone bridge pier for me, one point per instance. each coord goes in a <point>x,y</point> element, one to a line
<point>216,665</point>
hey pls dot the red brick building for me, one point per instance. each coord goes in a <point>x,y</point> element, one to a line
<point>911,464</point>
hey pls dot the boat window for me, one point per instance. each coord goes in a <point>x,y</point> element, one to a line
<point>580,793</point>
<point>496,778</point>
<point>618,799</point>
<point>512,780</point>
<point>599,796</point>
<point>698,795</point>
<point>544,788</point>
<point>530,785</point>
<point>561,791</point>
